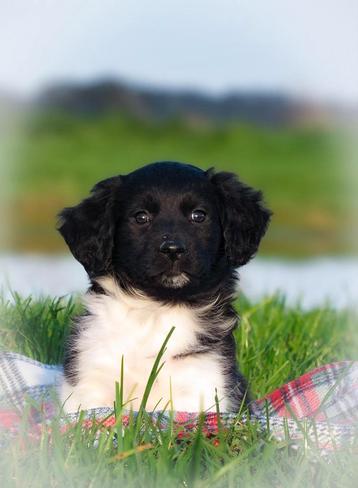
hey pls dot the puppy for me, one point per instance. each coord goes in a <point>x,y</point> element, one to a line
<point>161,247</point>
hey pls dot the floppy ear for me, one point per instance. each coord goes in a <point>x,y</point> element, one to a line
<point>88,228</point>
<point>244,217</point>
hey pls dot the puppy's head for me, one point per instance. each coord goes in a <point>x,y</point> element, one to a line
<point>166,227</point>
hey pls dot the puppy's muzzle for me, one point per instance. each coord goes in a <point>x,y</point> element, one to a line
<point>173,249</point>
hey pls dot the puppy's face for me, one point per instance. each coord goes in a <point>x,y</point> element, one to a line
<point>167,228</point>
<point>168,233</point>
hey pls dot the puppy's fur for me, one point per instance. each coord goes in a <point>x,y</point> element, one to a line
<point>161,247</point>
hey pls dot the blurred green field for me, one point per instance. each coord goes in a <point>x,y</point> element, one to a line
<point>53,159</point>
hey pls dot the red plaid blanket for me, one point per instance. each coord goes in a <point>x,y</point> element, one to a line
<point>321,404</point>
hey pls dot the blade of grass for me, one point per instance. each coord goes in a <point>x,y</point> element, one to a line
<point>152,377</point>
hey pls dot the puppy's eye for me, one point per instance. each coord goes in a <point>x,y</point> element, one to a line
<point>142,218</point>
<point>198,216</point>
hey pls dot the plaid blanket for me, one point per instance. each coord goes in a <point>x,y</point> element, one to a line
<point>320,406</point>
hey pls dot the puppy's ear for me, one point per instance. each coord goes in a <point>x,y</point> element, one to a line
<point>88,228</point>
<point>244,217</point>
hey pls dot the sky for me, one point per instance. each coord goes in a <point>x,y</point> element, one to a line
<point>302,48</point>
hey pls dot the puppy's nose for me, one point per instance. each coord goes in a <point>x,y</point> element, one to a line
<point>172,248</point>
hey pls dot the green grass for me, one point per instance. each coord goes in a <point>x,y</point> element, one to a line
<point>275,342</point>
<point>53,159</point>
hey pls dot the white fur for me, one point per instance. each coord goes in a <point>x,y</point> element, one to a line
<point>175,281</point>
<point>135,327</point>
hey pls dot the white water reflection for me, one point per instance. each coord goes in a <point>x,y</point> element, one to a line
<point>312,281</point>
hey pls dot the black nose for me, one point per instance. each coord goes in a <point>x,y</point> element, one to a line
<point>172,248</point>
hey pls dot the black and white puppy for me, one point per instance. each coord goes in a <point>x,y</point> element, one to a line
<point>161,247</point>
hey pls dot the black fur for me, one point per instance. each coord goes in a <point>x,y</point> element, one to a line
<point>104,236</point>
<point>88,228</point>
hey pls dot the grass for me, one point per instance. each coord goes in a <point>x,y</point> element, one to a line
<point>275,342</point>
<point>53,159</point>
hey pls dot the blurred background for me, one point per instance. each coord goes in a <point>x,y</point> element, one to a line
<point>268,90</point>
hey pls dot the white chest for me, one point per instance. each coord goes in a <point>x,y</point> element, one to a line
<point>135,328</point>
